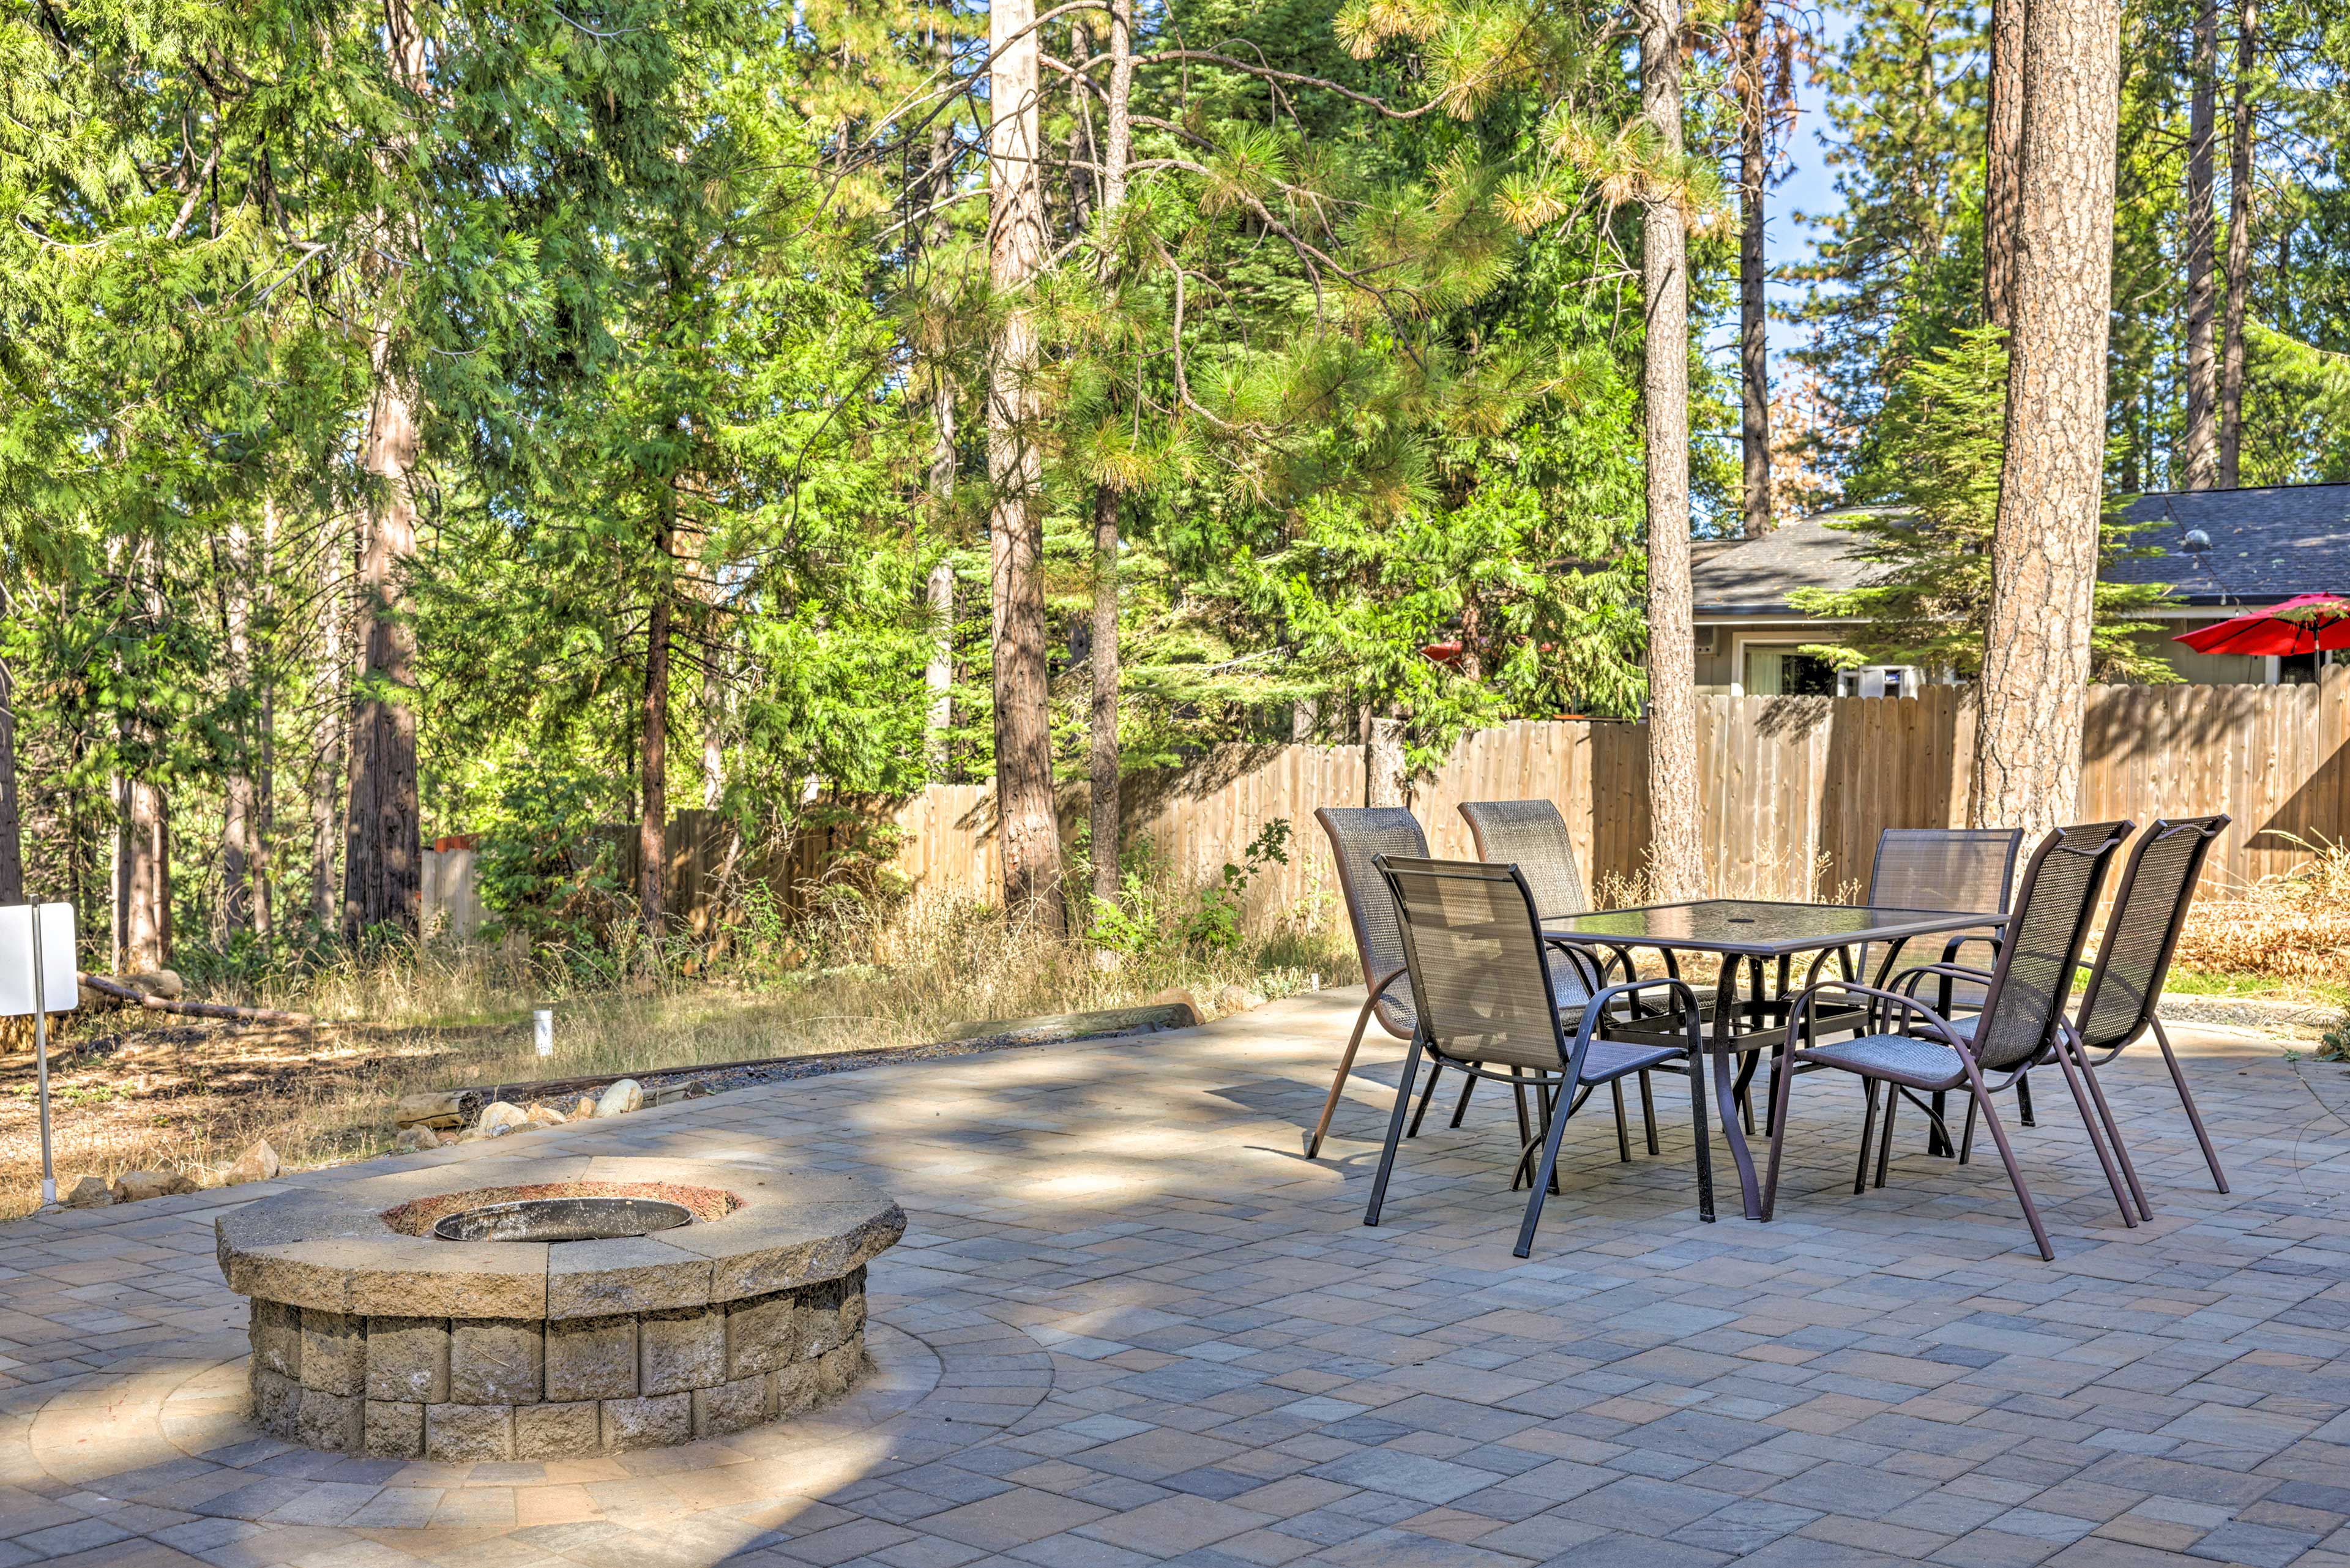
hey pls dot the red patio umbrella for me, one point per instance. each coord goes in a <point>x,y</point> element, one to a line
<point>2306,623</point>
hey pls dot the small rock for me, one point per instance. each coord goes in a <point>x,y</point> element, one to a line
<point>1234,999</point>
<point>413,1139</point>
<point>546,1116</point>
<point>620,1099</point>
<point>471,1135</point>
<point>434,1107</point>
<point>585,1110</point>
<point>499,1117</point>
<point>133,1186</point>
<point>206,1178</point>
<point>89,1193</point>
<point>258,1163</point>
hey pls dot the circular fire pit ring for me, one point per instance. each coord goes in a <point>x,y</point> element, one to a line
<point>563,1220</point>
<point>512,1307</point>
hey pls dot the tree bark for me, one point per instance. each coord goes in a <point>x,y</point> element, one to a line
<point>1675,871</point>
<point>326,739</point>
<point>1109,820</point>
<point>383,858</point>
<point>1015,242</point>
<point>237,805</point>
<point>382,847</point>
<point>652,751</point>
<point>2003,161</point>
<point>1108,834</point>
<point>2035,669</point>
<point>2239,248</point>
<point>1754,342</point>
<point>261,836</point>
<point>12,841</point>
<point>145,878</point>
<point>2200,449</point>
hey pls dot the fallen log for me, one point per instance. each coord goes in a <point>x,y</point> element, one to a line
<point>451,1108</point>
<point>107,986</point>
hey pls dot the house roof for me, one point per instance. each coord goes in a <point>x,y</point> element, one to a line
<point>1755,578</point>
<point>2267,544</point>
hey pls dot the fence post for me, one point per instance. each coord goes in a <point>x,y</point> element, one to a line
<point>1383,760</point>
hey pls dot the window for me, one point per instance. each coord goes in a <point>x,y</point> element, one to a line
<point>1781,672</point>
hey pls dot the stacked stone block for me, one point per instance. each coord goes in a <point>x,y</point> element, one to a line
<point>461,1389</point>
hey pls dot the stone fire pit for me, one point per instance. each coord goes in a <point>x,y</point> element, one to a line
<point>371,1334</point>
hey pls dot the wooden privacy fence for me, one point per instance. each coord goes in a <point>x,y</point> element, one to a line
<point>1792,791</point>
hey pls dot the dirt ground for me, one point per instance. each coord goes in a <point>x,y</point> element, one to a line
<point>129,1090</point>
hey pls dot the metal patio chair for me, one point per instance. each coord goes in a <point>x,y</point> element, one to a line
<point>2124,987</point>
<point>1531,836</point>
<point>1946,869</point>
<point>1357,834</point>
<point>1479,968</point>
<point>2022,1022</point>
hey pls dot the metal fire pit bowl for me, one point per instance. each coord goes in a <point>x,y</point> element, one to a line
<point>563,1220</point>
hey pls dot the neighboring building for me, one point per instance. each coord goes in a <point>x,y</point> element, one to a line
<point>2255,548</point>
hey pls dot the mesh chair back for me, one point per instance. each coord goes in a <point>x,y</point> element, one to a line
<point>1474,946</point>
<point>1945,868</point>
<point>2142,931</point>
<point>1358,836</point>
<point>2041,949</point>
<point>1531,836</point>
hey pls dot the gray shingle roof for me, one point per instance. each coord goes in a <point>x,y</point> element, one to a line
<point>2267,545</point>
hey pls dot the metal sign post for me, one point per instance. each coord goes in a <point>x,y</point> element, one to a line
<point>39,937</point>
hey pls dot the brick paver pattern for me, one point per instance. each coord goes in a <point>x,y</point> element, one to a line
<point>1130,1324</point>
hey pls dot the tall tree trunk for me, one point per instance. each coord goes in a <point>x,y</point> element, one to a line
<point>714,723</point>
<point>1108,822</point>
<point>11,839</point>
<point>2239,248</point>
<point>2035,670</point>
<point>652,751</point>
<point>332,675</point>
<point>262,837</point>
<point>237,807</point>
<point>1753,341</point>
<point>382,849</point>
<point>1675,868</point>
<point>2200,452</point>
<point>1015,243</point>
<point>2003,161</point>
<point>145,878</point>
<point>383,855</point>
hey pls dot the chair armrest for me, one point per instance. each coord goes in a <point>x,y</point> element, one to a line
<point>1595,1013</point>
<point>1799,1011</point>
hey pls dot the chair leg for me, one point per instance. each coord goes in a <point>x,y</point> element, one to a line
<point>2194,1118</point>
<point>2092,1119</point>
<point>1885,1138</point>
<point>1967,1137</point>
<point>2007,1158</point>
<point>2113,1128</point>
<point>1544,1183</point>
<point>1468,1086</point>
<point>1525,1125</point>
<point>1435,1071</point>
<point>1338,1084</point>
<point>2023,1101</point>
<point>1867,1137</point>
<point>1395,1130</point>
<point>1936,1143</point>
<point>1648,1114</point>
<point>1623,1128</point>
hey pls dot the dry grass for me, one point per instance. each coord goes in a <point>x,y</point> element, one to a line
<point>138,1090</point>
<point>2293,929</point>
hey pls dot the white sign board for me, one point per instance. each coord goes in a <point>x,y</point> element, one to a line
<point>57,981</point>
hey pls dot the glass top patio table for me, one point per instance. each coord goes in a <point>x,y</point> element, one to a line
<point>1756,927</point>
<point>1748,931</point>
